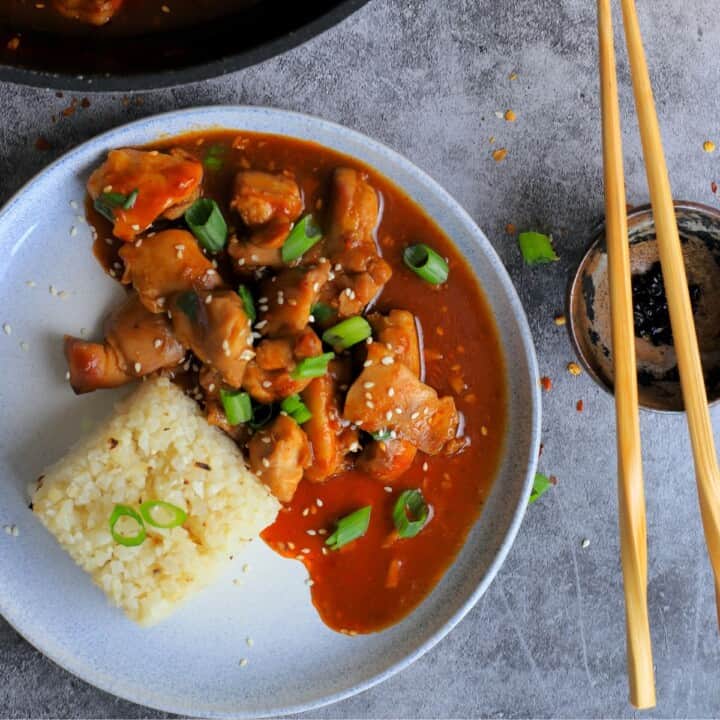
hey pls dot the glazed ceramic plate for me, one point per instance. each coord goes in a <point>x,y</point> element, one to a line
<point>190,664</point>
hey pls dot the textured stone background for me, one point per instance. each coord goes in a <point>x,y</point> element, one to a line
<point>427,77</point>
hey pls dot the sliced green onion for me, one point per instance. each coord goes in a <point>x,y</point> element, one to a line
<point>189,303</point>
<point>350,528</point>
<point>296,409</point>
<point>322,312</point>
<point>237,406</point>
<point>120,511</point>
<point>261,416</point>
<point>129,203</point>
<point>312,367</point>
<point>107,202</point>
<point>173,515</point>
<point>248,302</point>
<point>381,435</point>
<point>410,513</point>
<point>207,224</point>
<point>301,238</point>
<point>541,484</point>
<point>213,159</point>
<point>536,248</point>
<point>426,263</point>
<point>347,333</point>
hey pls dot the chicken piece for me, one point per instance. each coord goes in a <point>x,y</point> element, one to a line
<point>399,401</point>
<point>359,271</point>
<point>268,377</point>
<point>398,332</point>
<point>93,12</point>
<point>330,441</point>
<point>166,186</point>
<point>387,460</point>
<point>259,197</point>
<point>248,257</point>
<point>164,264</point>
<point>278,455</point>
<point>137,343</point>
<point>290,296</point>
<point>216,330</point>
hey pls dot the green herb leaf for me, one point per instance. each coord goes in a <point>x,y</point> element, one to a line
<point>237,406</point>
<point>121,511</point>
<point>173,515</point>
<point>302,237</point>
<point>410,513</point>
<point>207,224</point>
<point>536,248</point>
<point>541,485</point>
<point>296,409</point>
<point>350,528</point>
<point>426,263</point>
<point>248,302</point>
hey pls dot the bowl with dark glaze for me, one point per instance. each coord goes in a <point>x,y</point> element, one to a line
<point>588,305</point>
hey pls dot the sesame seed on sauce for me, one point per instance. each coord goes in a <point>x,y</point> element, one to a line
<point>157,342</point>
<point>208,299</point>
<point>388,360</point>
<point>311,532</point>
<point>319,502</point>
<point>138,367</point>
<point>367,363</point>
<point>391,392</point>
<point>368,385</point>
<point>425,467</point>
<point>24,346</point>
<point>387,489</point>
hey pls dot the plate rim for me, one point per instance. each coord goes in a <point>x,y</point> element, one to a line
<point>193,116</point>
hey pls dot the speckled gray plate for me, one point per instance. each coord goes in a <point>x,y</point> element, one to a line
<point>190,663</point>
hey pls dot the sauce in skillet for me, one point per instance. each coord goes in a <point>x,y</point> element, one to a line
<point>376,580</point>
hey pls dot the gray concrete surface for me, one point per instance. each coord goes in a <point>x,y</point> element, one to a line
<point>427,77</point>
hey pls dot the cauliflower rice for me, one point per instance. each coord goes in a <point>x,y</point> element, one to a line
<point>156,446</point>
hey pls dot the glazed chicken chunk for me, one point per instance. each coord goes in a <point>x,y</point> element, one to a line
<point>278,455</point>
<point>137,343</point>
<point>213,324</point>
<point>259,197</point>
<point>93,12</point>
<point>399,402</point>
<point>153,184</point>
<point>269,376</point>
<point>164,264</point>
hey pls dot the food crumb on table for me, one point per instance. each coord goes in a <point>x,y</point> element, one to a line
<point>573,368</point>
<point>585,543</point>
<point>546,383</point>
<point>709,146</point>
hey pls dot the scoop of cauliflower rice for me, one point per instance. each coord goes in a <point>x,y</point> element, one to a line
<point>156,446</point>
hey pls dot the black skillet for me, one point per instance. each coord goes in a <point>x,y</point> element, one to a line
<point>99,62</point>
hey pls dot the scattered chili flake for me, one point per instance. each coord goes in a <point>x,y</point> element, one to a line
<point>500,154</point>
<point>510,229</point>
<point>113,443</point>
<point>713,186</point>
<point>553,480</point>
<point>546,383</point>
<point>580,406</point>
<point>510,116</point>
<point>13,43</point>
<point>70,109</point>
<point>573,368</point>
<point>709,146</point>
<point>202,465</point>
<point>42,143</point>
<point>559,320</point>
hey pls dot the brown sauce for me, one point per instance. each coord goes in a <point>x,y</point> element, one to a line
<point>374,582</point>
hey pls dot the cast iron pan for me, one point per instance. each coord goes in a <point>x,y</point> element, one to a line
<point>99,62</point>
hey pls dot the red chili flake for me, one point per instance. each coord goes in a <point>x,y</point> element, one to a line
<point>546,383</point>
<point>580,406</point>
<point>70,109</point>
<point>713,186</point>
<point>85,103</point>
<point>42,143</point>
<point>202,465</point>
<point>553,480</point>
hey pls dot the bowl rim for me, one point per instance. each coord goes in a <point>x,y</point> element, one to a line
<point>105,140</point>
<point>175,77</point>
<point>634,215</point>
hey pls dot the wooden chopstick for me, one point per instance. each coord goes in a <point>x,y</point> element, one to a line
<point>678,297</point>
<point>631,495</point>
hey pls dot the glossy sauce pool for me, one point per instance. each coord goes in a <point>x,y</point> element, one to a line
<point>378,579</point>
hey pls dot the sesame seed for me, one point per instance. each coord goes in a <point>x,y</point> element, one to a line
<point>52,290</point>
<point>369,385</point>
<point>367,363</point>
<point>246,568</point>
<point>262,299</point>
<point>305,551</point>
<point>425,467</point>
<point>24,346</point>
<point>8,529</point>
<point>388,415</point>
<point>324,551</point>
<point>30,283</point>
<point>387,489</point>
<point>15,530</point>
<point>266,462</point>
<point>247,355</point>
<point>211,387</point>
<point>316,286</point>
<point>208,299</point>
<point>226,347</point>
<point>7,329</point>
<point>388,360</point>
<point>138,242</point>
<point>73,204</point>
<point>67,375</point>
<point>108,241</point>
<point>311,318</point>
<point>241,261</point>
<point>319,502</point>
<point>157,342</point>
<point>311,532</point>
<point>322,531</point>
<point>161,302</point>
<point>138,367</point>
<point>391,392</point>
<point>585,543</point>
<point>309,582</point>
<point>261,324</point>
<point>415,415</point>
<point>73,231</point>
<point>369,404</point>
<point>398,411</point>
<point>243,662</point>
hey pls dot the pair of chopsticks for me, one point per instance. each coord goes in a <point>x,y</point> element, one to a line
<point>633,542</point>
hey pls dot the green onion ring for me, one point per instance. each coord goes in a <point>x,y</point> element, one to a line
<point>120,511</point>
<point>179,516</point>
<point>426,263</point>
<point>410,514</point>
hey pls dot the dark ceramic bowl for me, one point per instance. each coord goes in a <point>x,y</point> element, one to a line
<point>588,306</point>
